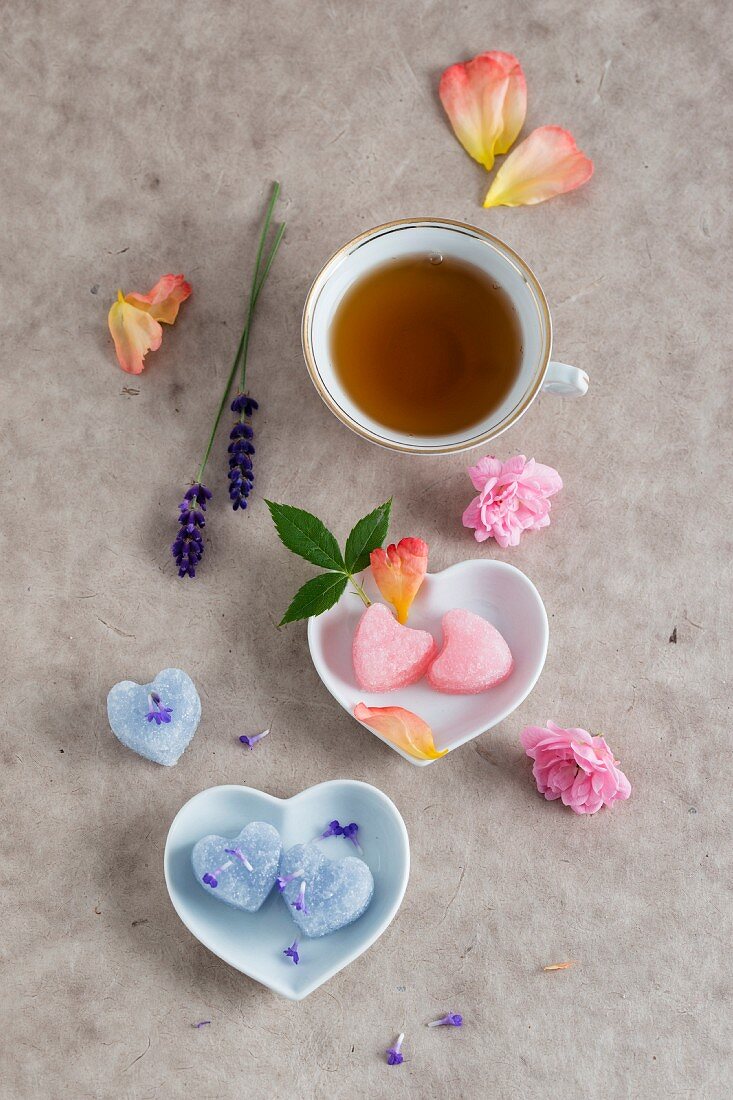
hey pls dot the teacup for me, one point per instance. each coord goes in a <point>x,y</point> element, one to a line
<point>537,372</point>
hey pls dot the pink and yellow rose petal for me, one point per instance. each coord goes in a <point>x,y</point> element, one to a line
<point>486,103</point>
<point>134,320</point>
<point>403,728</point>
<point>545,164</point>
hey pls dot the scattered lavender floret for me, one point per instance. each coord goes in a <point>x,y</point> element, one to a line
<point>282,881</point>
<point>201,1023</point>
<point>335,828</point>
<point>239,854</point>
<point>349,833</point>
<point>292,952</point>
<point>251,739</point>
<point>157,711</point>
<point>211,879</point>
<point>453,1019</point>
<point>395,1057</point>
<point>299,902</point>
<point>188,547</point>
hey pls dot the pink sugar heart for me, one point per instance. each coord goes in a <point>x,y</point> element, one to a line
<point>474,656</point>
<point>388,656</point>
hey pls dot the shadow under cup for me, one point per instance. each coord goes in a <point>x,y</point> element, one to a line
<point>407,238</point>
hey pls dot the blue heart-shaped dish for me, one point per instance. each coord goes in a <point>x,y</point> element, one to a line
<point>253,942</point>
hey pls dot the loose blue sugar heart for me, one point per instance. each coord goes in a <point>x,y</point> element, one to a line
<point>322,894</point>
<point>241,871</point>
<point>156,720</point>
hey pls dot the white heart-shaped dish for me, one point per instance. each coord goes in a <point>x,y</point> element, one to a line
<point>254,942</point>
<point>493,589</point>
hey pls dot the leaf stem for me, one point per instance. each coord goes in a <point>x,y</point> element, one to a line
<point>258,282</point>
<point>359,590</point>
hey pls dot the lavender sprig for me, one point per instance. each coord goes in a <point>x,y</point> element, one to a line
<point>241,448</point>
<point>188,546</point>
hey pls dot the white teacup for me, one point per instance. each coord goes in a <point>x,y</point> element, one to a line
<point>459,241</point>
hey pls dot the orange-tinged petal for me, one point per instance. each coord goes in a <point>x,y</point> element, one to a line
<point>134,332</point>
<point>399,571</point>
<point>486,101</point>
<point>402,728</point>
<point>545,164</point>
<point>163,300</point>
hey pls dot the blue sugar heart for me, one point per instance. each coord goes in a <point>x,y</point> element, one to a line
<point>174,707</point>
<point>337,892</point>
<point>239,871</point>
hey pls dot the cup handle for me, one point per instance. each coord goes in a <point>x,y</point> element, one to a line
<point>565,381</point>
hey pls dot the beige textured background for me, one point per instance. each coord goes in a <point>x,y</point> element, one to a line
<point>140,139</point>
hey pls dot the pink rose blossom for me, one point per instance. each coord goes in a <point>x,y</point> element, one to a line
<point>572,765</point>
<point>513,498</point>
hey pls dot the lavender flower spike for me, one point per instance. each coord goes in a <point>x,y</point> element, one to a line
<point>299,902</point>
<point>157,712</point>
<point>251,739</point>
<point>453,1019</point>
<point>241,449</point>
<point>281,882</point>
<point>292,952</point>
<point>395,1057</point>
<point>188,546</point>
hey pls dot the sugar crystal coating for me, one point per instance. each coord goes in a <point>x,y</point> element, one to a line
<point>260,844</point>
<point>128,705</point>
<point>337,891</point>
<point>474,656</point>
<point>387,655</point>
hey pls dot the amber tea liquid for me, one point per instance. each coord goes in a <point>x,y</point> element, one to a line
<point>426,345</point>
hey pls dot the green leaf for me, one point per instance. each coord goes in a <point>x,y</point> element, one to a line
<point>304,534</point>
<point>315,597</point>
<point>368,534</point>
